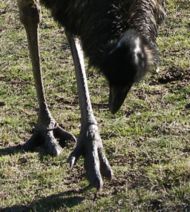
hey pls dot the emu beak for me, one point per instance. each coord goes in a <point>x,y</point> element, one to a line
<point>117,96</point>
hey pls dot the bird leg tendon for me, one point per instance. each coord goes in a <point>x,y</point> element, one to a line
<point>47,131</point>
<point>89,144</point>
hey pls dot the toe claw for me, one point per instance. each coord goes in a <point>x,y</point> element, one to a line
<point>92,167</point>
<point>74,156</point>
<point>72,161</point>
<point>97,183</point>
<point>104,165</point>
<point>52,146</point>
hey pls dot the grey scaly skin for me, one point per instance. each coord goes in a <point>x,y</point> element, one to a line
<point>89,143</point>
<point>119,38</point>
<point>47,131</point>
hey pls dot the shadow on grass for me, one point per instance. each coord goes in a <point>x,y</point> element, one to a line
<point>11,150</point>
<point>63,201</point>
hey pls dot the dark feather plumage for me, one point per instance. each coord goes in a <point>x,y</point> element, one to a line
<point>109,31</point>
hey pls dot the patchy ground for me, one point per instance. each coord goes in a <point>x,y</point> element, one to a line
<point>147,142</point>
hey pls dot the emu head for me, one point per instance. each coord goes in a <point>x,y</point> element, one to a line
<point>125,65</point>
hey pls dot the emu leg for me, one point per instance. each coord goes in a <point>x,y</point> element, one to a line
<point>46,130</point>
<point>89,144</point>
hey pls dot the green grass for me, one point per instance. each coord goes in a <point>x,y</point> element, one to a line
<point>147,142</point>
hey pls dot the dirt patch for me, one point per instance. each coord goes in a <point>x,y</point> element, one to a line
<point>173,74</point>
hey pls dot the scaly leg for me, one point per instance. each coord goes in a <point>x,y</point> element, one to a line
<point>46,130</point>
<point>89,143</point>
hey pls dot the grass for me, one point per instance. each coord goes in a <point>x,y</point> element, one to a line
<point>147,142</point>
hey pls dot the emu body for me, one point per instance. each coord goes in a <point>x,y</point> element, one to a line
<point>119,39</point>
<point>101,24</point>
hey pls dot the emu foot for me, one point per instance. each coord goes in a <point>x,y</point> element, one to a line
<point>52,139</point>
<point>95,162</point>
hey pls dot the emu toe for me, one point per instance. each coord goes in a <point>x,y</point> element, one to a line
<point>95,162</point>
<point>53,140</point>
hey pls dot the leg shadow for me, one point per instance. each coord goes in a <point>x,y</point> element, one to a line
<point>62,201</point>
<point>11,150</point>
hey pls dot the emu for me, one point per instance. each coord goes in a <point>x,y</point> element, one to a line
<point>119,39</point>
